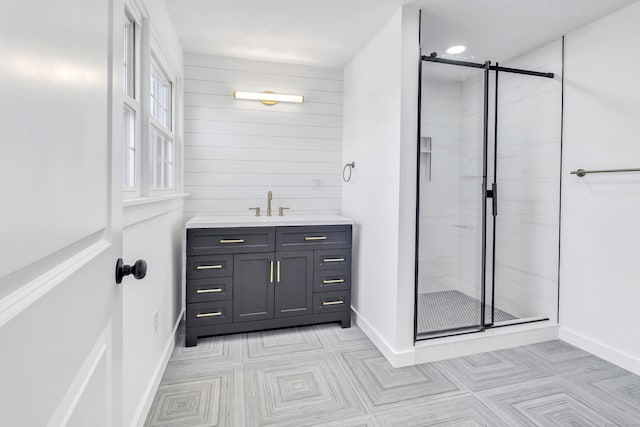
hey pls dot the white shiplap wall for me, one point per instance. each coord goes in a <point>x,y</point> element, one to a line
<point>235,151</point>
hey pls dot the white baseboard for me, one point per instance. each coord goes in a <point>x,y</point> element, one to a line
<point>142,411</point>
<point>489,340</point>
<point>459,346</point>
<point>603,351</point>
<point>398,359</point>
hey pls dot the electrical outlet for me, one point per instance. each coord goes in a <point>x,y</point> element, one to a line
<point>317,184</point>
<point>156,320</point>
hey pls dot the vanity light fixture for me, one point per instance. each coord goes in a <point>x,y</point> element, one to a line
<point>455,50</point>
<point>268,98</point>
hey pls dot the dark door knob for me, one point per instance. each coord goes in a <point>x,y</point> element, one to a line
<point>139,269</point>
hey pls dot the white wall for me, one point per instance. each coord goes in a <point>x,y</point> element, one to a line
<point>153,231</point>
<point>409,66</point>
<point>163,30</point>
<point>380,113</point>
<point>237,150</point>
<point>600,271</point>
<point>158,240</point>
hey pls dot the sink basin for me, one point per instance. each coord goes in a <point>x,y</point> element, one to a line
<point>213,221</point>
<point>268,218</point>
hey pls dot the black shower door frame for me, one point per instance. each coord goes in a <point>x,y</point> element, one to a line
<point>487,193</point>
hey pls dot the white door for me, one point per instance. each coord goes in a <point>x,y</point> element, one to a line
<point>60,215</point>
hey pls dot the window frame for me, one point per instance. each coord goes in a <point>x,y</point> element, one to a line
<point>159,74</point>
<point>151,49</point>
<point>155,126</point>
<point>167,161</point>
<point>131,98</point>
<point>130,63</point>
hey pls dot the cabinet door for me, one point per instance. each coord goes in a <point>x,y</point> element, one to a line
<point>253,286</point>
<point>294,283</point>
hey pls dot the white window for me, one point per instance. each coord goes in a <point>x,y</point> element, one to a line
<point>150,155</point>
<point>130,77</point>
<point>161,160</point>
<point>160,97</point>
<point>161,146</point>
<point>129,148</point>
<point>129,62</point>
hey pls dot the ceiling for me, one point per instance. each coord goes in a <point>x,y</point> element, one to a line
<point>330,32</point>
<point>500,30</point>
<point>315,32</point>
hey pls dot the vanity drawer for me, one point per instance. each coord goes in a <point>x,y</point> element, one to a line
<point>332,259</point>
<point>331,280</point>
<point>205,241</point>
<point>212,289</point>
<point>327,302</point>
<point>209,313</point>
<point>202,267</point>
<point>315,237</point>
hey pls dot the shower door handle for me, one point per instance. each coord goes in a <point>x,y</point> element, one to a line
<point>493,195</point>
<point>494,189</point>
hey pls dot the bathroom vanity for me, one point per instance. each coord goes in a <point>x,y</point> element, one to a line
<point>254,273</point>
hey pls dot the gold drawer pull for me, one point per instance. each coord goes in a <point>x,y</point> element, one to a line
<point>223,241</point>
<point>333,302</point>
<point>333,281</point>
<point>315,238</point>
<point>208,291</point>
<point>333,260</point>
<point>278,272</point>
<point>209,267</point>
<point>271,272</point>
<point>217,313</point>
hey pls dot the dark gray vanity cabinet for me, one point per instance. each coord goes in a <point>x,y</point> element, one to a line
<point>256,278</point>
<point>294,283</point>
<point>253,298</point>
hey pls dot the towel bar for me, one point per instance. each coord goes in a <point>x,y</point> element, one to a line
<point>582,172</point>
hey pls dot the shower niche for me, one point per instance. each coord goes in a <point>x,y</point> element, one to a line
<point>488,194</point>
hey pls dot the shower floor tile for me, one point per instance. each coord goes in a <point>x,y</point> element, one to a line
<point>452,309</point>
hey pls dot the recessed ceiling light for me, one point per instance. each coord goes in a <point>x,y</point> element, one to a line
<point>454,50</point>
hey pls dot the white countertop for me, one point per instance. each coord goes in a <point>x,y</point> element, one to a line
<point>212,221</point>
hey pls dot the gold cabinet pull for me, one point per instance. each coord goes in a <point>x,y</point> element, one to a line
<point>223,241</point>
<point>333,281</point>
<point>271,273</point>
<point>208,291</point>
<point>332,302</point>
<point>217,313</point>
<point>278,272</point>
<point>333,260</point>
<point>209,267</point>
<point>316,238</point>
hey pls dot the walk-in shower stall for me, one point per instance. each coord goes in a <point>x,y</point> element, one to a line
<point>488,192</point>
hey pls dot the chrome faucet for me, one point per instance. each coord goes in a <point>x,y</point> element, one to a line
<point>269,198</point>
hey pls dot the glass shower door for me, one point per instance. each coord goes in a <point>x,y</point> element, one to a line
<point>528,153</point>
<point>452,200</point>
